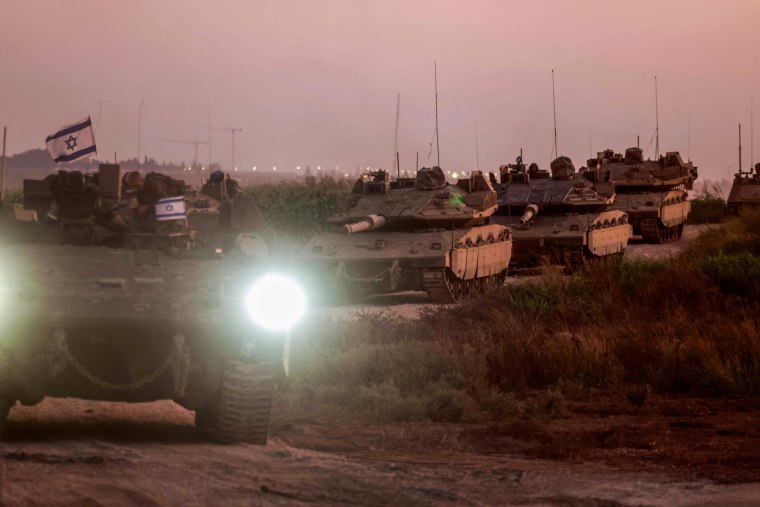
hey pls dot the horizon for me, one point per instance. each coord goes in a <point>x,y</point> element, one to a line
<point>325,94</point>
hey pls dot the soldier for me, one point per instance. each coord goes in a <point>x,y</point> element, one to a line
<point>150,189</point>
<point>220,186</point>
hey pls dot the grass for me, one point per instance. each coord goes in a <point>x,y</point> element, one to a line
<point>685,325</point>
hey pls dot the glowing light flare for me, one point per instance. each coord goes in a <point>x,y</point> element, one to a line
<point>276,302</point>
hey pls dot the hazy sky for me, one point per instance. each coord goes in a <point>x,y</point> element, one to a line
<point>315,82</point>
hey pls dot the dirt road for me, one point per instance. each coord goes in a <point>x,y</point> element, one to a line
<point>76,452</point>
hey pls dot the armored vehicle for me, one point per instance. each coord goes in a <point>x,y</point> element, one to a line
<point>559,219</point>
<point>99,305</point>
<point>652,192</point>
<point>745,191</point>
<point>419,234</point>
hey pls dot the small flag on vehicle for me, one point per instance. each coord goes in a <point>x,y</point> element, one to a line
<point>72,142</point>
<point>171,208</point>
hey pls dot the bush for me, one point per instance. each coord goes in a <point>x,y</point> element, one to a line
<point>708,207</point>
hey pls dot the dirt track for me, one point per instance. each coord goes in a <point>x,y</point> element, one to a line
<point>69,451</point>
<point>79,452</point>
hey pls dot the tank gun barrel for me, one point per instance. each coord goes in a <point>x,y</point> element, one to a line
<point>367,223</point>
<point>530,211</point>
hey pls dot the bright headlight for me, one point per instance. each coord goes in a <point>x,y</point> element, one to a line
<point>276,302</point>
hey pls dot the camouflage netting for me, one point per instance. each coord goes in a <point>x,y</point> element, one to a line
<point>634,155</point>
<point>430,178</point>
<point>562,167</point>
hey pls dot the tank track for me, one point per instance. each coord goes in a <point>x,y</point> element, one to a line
<point>438,286</point>
<point>6,400</point>
<point>443,287</point>
<point>653,231</point>
<point>241,412</point>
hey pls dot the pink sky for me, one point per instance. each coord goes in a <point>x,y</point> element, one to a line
<point>315,82</point>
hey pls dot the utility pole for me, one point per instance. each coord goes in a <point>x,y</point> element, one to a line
<point>2,169</point>
<point>139,130</point>
<point>233,131</point>
<point>194,143</point>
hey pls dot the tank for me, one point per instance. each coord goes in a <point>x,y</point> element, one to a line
<point>745,191</point>
<point>413,234</point>
<point>652,192</point>
<point>560,219</point>
<point>99,305</point>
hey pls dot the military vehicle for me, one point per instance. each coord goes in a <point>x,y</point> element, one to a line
<point>559,219</point>
<point>652,192</point>
<point>98,305</point>
<point>745,191</point>
<point>419,234</point>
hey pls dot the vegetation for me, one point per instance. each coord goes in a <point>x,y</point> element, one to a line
<point>686,325</point>
<point>299,210</point>
<point>708,207</point>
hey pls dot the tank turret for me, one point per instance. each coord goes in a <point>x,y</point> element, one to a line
<point>411,234</point>
<point>560,220</point>
<point>652,192</point>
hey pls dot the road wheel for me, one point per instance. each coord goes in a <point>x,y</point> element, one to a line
<point>6,400</point>
<point>240,412</point>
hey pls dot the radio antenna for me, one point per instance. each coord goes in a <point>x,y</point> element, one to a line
<point>554,105</point>
<point>477,154</point>
<point>437,143</point>
<point>590,146</point>
<point>395,138</point>
<point>688,137</point>
<point>657,122</point>
<point>740,148</point>
<point>752,132</point>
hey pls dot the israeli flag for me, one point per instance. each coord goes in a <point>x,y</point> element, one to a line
<point>171,208</point>
<point>73,142</point>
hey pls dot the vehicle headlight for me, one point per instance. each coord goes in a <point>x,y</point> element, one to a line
<point>276,302</point>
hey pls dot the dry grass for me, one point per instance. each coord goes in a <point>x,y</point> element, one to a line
<point>686,325</point>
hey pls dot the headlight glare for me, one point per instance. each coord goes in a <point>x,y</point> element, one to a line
<point>276,302</point>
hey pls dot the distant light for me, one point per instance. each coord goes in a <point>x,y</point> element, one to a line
<point>236,168</point>
<point>298,168</point>
<point>454,175</point>
<point>274,168</point>
<point>319,168</point>
<point>203,168</point>
<point>254,168</point>
<point>346,175</point>
<point>336,167</point>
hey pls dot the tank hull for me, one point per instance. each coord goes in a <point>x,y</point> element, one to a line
<point>745,193</point>
<point>568,240</point>
<point>656,217</point>
<point>121,325</point>
<point>444,263</point>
